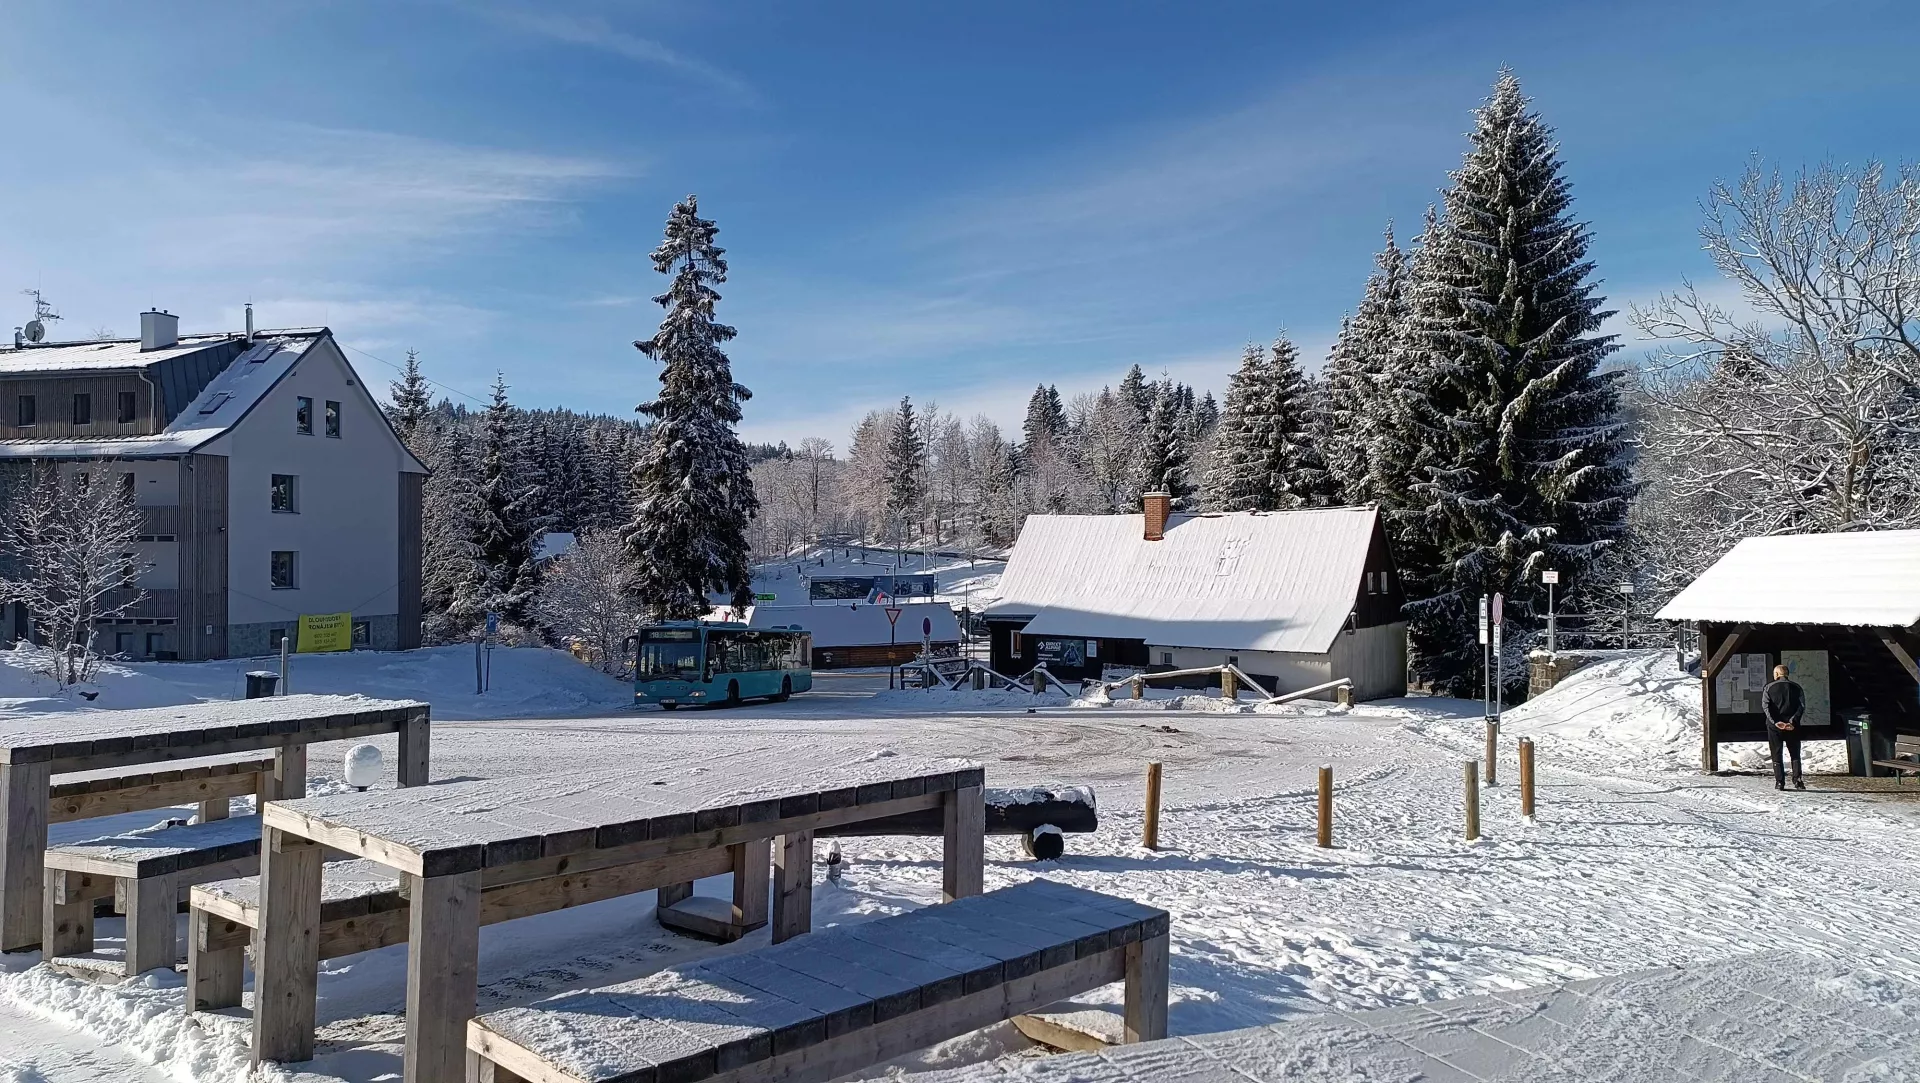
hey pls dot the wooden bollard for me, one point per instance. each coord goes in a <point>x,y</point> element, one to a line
<point>1229,685</point>
<point>1493,751</point>
<point>1326,807</point>
<point>1526,778</point>
<point>1473,800</point>
<point>1039,683</point>
<point>1139,688</point>
<point>1150,837</point>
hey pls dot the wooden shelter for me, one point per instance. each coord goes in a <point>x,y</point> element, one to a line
<point>1841,611</point>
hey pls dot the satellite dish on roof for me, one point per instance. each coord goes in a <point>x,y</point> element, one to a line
<point>36,330</point>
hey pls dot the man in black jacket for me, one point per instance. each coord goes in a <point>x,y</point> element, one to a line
<point>1785,704</point>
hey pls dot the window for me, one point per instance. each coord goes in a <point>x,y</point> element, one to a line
<point>286,569</point>
<point>218,400</point>
<point>129,406</point>
<point>333,419</point>
<point>275,637</point>
<point>123,644</point>
<point>83,409</point>
<point>362,633</point>
<point>126,483</point>
<point>303,416</point>
<point>27,411</point>
<point>283,493</point>
<point>156,644</point>
<point>129,572</point>
<point>1166,658</point>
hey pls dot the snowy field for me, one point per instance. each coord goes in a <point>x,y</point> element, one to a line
<point>1634,861</point>
<point>957,580</point>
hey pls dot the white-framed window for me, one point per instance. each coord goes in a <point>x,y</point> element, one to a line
<point>303,416</point>
<point>284,569</point>
<point>286,493</point>
<point>333,419</point>
<point>1166,658</point>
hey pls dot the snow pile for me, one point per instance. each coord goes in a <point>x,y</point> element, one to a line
<point>26,686</point>
<point>1639,702</point>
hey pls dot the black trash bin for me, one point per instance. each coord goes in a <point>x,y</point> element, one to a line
<point>1865,745</point>
<point>261,683</point>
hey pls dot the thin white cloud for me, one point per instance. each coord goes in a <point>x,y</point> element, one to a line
<point>594,32</point>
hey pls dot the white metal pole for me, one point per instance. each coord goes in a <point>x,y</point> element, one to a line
<point>285,642</point>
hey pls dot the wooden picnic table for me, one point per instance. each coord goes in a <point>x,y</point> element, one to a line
<point>533,836</point>
<point>34,748</point>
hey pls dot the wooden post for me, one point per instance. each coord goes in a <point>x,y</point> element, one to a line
<point>1326,807</point>
<point>151,942</point>
<point>1493,751</point>
<point>23,852</point>
<point>1710,666</point>
<point>1150,837</point>
<point>1139,688</point>
<point>286,962</point>
<point>443,967</point>
<point>289,777</point>
<point>216,809</point>
<point>750,873</point>
<point>1229,684</point>
<point>792,886</point>
<point>1473,800</point>
<point>1145,1011</point>
<point>669,894</point>
<point>1526,778</point>
<point>1039,681</point>
<point>1343,695</point>
<point>67,917</point>
<point>964,855</point>
<point>414,739</point>
<point>214,976</point>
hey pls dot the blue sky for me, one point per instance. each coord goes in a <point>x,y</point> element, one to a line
<point>949,201</point>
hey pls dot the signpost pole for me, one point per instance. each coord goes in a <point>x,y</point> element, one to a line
<point>893,630</point>
<point>1486,666</point>
<point>1551,578</point>
<point>1499,661</point>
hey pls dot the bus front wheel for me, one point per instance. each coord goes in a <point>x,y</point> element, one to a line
<point>786,690</point>
<point>733,693</point>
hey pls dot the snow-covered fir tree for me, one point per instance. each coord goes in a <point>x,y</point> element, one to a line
<point>1355,402</point>
<point>1520,468</point>
<point>1164,462</point>
<point>906,455</point>
<point>1135,393</point>
<point>1263,457</point>
<point>693,493</point>
<point>508,523</point>
<point>452,580</point>
<point>412,400</point>
<point>1229,483</point>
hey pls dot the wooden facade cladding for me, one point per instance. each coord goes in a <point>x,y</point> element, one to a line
<point>411,487</point>
<point>54,407</point>
<point>874,655</point>
<point>162,519</point>
<point>203,557</point>
<point>154,602</point>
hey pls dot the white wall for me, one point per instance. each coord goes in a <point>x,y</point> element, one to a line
<point>155,484</point>
<point>1291,671</point>
<point>347,527</point>
<point>164,574</point>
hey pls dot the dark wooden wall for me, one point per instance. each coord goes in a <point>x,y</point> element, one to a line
<point>880,655</point>
<point>53,406</point>
<point>410,558</point>
<point>1375,609</point>
<point>1865,676</point>
<point>203,557</point>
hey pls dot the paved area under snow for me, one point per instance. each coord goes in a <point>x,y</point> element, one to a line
<point>1634,863</point>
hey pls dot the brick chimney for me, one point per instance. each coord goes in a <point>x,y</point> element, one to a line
<point>1157,507</point>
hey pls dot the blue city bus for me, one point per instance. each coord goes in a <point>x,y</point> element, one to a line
<point>687,662</point>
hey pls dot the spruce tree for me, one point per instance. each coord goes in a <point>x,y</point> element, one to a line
<point>693,494</point>
<point>1134,390</point>
<point>412,401</point>
<point>1164,458</point>
<point>1263,454</point>
<point>452,577</point>
<point>508,522</point>
<point>1355,401</point>
<point>906,452</point>
<point>1520,467</point>
<point>1228,484</point>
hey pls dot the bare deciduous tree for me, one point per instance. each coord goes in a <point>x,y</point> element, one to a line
<point>583,598</point>
<point>69,538</point>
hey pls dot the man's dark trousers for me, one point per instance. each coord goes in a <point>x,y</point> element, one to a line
<point>1776,738</point>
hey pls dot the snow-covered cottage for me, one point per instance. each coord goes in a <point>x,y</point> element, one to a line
<point>269,482</point>
<point>1293,598</point>
<point>1841,611</point>
<point>858,634</point>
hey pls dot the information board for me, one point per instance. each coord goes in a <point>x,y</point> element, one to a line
<point>1809,669</point>
<point>1738,685</point>
<point>324,632</point>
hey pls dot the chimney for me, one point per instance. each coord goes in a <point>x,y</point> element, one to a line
<point>1157,507</point>
<point>249,321</point>
<point>158,330</point>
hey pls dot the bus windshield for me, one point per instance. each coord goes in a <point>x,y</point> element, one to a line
<point>670,656</point>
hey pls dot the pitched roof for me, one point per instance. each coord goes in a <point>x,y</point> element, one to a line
<point>848,624</point>
<point>1272,581</point>
<point>1866,578</point>
<point>218,407</point>
<point>104,356</point>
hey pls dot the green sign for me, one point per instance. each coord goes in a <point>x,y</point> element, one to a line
<point>766,597</point>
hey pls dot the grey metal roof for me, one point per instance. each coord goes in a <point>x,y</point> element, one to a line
<point>1867,578</point>
<point>83,357</point>
<point>1270,581</point>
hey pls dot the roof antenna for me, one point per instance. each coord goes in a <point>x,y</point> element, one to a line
<point>43,313</point>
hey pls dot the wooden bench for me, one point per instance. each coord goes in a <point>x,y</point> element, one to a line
<point>823,1005</point>
<point>151,871</point>
<point>1906,758</point>
<point>209,785</point>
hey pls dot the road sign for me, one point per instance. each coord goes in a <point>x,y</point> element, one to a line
<point>1499,609</point>
<point>893,615</point>
<point>1549,577</point>
<point>926,626</point>
<point>493,624</point>
<point>766,597</point>
<point>1483,620</point>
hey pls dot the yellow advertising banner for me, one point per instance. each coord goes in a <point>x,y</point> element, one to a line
<point>321,632</point>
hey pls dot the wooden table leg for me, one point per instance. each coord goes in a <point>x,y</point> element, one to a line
<point>793,886</point>
<point>1146,1005</point>
<point>214,976</point>
<point>964,855</point>
<point>289,778</point>
<point>23,852</point>
<point>414,735</point>
<point>151,941</point>
<point>286,965</point>
<point>443,975</point>
<point>669,894</point>
<point>750,876</point>
<point>67,918</point>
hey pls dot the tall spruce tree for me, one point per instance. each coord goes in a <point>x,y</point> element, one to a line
<point>1165,464</point>
<point>693,494</point>
<point>906,454</point>
<point>1520,467</point>
<point>1228,484</point>
<point>412,401</point>
<point>1355,401</point>
<point>508,521</point>
<point>453,586</point>
<point>1263,454</point>
<point>1134,390</point>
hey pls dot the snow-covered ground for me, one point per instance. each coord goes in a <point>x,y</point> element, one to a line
<point>1633,862</point>
<point>958,580</point>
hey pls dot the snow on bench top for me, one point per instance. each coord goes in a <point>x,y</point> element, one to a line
<point>738,1009</point>
<point>340,881</point>
<point>1773,1016</point>
<point>159,850</point>
<point>457,826</point>
<point>77,734</point>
